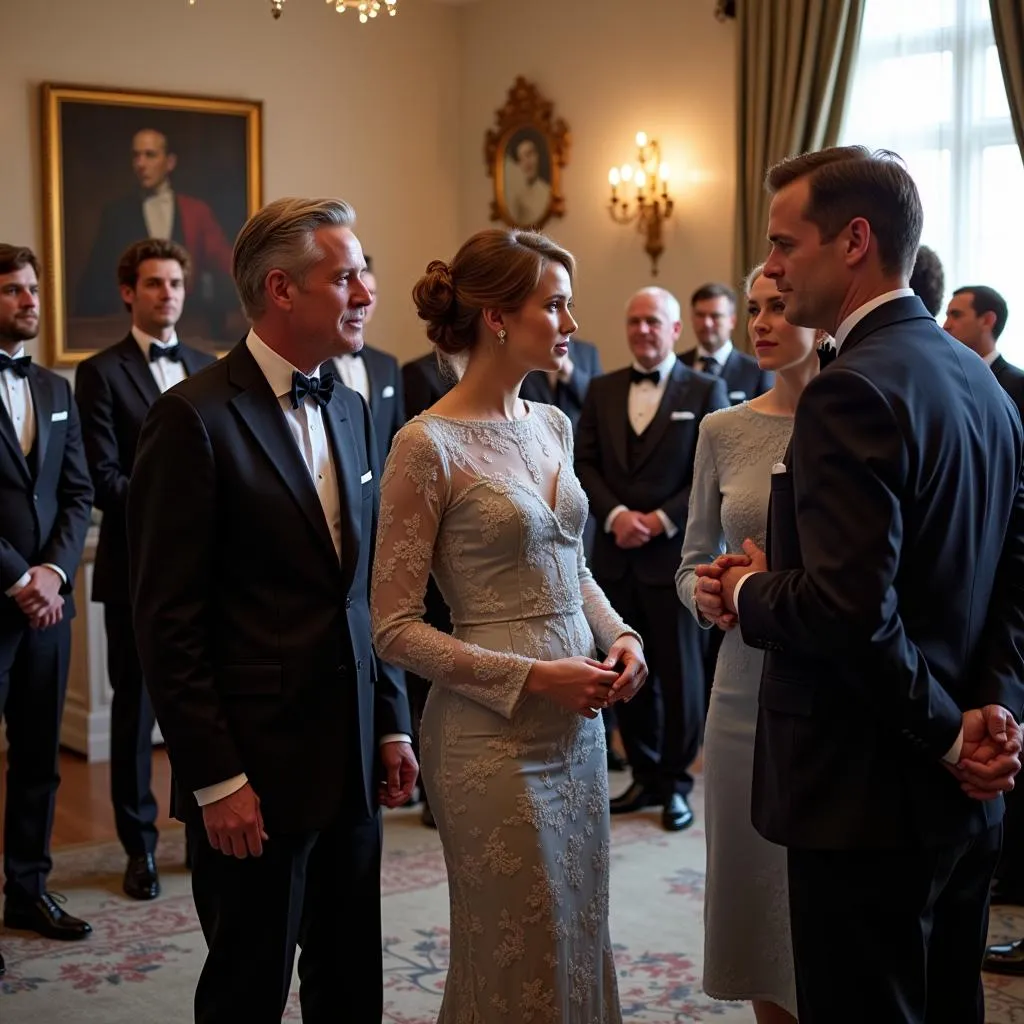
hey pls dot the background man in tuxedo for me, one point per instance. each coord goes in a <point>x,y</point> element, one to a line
<point>375,375</point>
<point>252,512</point>
<point>976,316</point>
<point>567,387</point>
<point>713,317</point>
<point>45,503</point>
<point>424,383</point>
<point>114,390</point>
<point>156,210</point>
<point>635,447</point>
<point>892,615</point>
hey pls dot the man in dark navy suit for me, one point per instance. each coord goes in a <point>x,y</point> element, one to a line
<point>45,504</point>
<point>891,611</point>
<point>114,390</point>
<point>567,387</point>
<point>635,448</point>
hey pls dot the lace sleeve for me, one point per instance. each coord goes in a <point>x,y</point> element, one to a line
<point>704,540</point>
<point>415,489</point>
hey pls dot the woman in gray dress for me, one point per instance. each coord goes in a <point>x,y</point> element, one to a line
<point>480,491</point>
<point>747,947</point>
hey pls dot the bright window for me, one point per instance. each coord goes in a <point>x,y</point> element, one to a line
<point>927,85</point>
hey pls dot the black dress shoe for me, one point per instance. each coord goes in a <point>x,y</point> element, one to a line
<point>3,966</point>
<point>615,763</point>
<point>676,814</point>
<point>141,880</point>
<point>635,798</point>
<point>44,916</point>
<point>1005,959</point>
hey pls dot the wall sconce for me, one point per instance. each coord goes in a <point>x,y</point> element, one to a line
<point>641,193</point>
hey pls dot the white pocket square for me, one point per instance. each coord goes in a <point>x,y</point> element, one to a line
<point>366,477</point>
<point>388,392</point>
<point>58,416</point>
<point>737,396</point>
<point>779,467</point>
<point>683,414</point>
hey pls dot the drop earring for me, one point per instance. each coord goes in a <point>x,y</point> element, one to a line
<point>501,336</point>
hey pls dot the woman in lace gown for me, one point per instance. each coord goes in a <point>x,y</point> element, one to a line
<point>747,946</point>
<point>480,491</point>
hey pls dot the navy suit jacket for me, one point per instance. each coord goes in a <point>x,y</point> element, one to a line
<point>569,395</point>
<point>424,384</point>
<point>895,598</point>
<point>744,378</point>
<point>114,390</point>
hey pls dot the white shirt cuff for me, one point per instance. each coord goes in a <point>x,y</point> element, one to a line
<point>736,592</point>
<point>952,755</point>
<point>670,527</point>
<point>211,794</point>
<point>395,737</point>
<point>18,585</point>
<point>611,517</point>
<point>59,571</point>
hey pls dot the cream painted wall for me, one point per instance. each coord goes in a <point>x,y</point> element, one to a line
<point>370,113</point>
<point>613,68</point>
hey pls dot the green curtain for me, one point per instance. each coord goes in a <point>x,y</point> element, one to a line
<point>795,66</point>
<point>1008,22</point>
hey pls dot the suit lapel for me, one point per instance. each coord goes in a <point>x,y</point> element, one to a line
<point>371,382</point>
<point>190,360</point>
<point>672,398</point>
<point>138,371</point>
<point>621,427</point>
<point>10,438</point>
<point>348,470</point>
<point>42,401</point>
<point>261,411</point>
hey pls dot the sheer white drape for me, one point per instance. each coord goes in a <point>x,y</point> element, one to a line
<point>927,85</point>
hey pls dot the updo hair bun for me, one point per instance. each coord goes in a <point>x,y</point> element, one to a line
<point>434,295</point>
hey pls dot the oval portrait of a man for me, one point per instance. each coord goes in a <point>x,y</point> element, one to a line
<point>527,178</point>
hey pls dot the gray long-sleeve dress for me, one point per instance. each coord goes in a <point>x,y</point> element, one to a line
<point>747,944</point>
<point>518,785</point>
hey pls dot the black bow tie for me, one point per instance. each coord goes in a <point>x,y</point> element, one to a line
<point>635,376</point>
<point>19,366</point>
<point>172,352</point>
<point>319,389</point>
<point>826,355</point>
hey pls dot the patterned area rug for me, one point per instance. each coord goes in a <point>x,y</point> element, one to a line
<point>142,961</point>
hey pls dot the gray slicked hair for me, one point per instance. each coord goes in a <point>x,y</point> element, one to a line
<point>280,237</point>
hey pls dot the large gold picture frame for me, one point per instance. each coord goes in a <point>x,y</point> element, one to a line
<point>122,165</point>
<point>525,154</point>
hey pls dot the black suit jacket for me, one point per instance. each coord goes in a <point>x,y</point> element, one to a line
<point>387,401</point>
<point>45,499</point>
<point>896,596</point>
<point>114,390</point>
<point>423,384</point>
<point>744,378</point>
<point>254,637</point>
<point>570,395</point>
<point>1011,379</point>
<point>662,480</point>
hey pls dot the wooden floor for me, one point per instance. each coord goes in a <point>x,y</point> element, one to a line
<point>84,814</point>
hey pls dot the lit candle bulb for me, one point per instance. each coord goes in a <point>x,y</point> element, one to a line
<point>641,139</point>
<point>627,172</point>
<point>613,177</point>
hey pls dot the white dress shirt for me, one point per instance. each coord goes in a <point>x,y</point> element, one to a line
<point>16,395</point>
<point>306,425</point>
<point>166,372</point>
<point>158,211</point>
<point>953,754</point>
<point>991,357</point>
<point>643,402</point>
<point>351,371</point>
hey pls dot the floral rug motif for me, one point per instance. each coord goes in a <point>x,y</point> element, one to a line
<point>142,960</point>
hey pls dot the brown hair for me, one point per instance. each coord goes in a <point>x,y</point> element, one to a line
<point>495,269</point>
<point>713,290</point>
<point>15,257</point>
<point>150,249</point>
<point>851,181</point>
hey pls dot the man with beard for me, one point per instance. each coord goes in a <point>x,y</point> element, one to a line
<point>44,514</point>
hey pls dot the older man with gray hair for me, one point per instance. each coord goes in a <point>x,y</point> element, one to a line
<point>252,512</point>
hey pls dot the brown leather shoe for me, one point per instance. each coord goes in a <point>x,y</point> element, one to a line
<point>1005,959</point>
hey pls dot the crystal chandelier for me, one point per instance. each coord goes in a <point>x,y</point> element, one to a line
<point>367,8</point>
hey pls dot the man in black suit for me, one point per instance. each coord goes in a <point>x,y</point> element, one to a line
<point>891,617</point>
<point>713,316</point>
<point>976,316</point>
<point>375,375</point>
<point>45,503</point>
<point>635,447</point>
<point>252,511</point>
<point>567,387</point>
<point>114,390</point>
<point>424,383</point>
